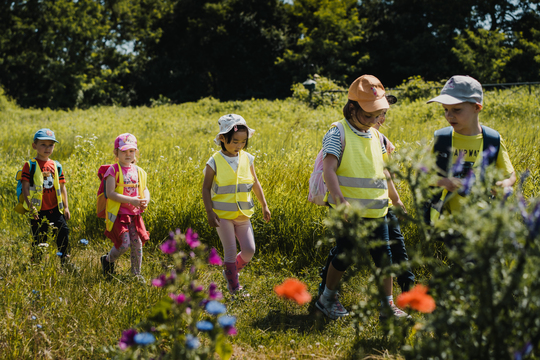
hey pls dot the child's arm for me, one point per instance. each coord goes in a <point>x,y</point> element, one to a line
<point>209,174</point>
<point>145,200</point>
<point>25,188</point>
<point>63,190</point>
<point>257,189</point>
<point>392,192</point>
<point>330,165</point>
<point>123,199</point>
<point>450,184</point>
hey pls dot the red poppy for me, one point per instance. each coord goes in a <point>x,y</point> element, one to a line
<point>294,290</point>
<point>417,299</point>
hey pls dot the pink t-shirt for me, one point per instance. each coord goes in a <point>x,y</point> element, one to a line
<point>131,176</point>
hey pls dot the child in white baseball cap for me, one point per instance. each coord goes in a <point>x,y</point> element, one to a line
<point>462,101</point>
<point>229,177</point>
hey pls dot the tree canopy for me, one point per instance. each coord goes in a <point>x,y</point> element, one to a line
<point>66,54</point>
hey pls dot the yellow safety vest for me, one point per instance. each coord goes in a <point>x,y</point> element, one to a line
<point>36,192</point>
<point>231,193</point>
<point>114,206</point>
<point>360,174</point>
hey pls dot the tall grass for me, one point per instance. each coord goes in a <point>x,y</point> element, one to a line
<point>84,313</point>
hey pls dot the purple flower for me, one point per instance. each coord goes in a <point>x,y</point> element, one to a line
<point>192,342</point>
<point>527,349</point>
<point>205,325</point>
<point>467,183</point>
<point>215,308</point>
<point>127,339</point>
<point>532,220</point>
<point>230,330</point>
<point>458,165</point>
<point>214,258</point>
<point>486,155</point>
<point>195,288</point>
<point>144,339</point>
<point>213,293</point>
<point>192,238</point>
<point>179,299</point>
<point>163,280</point>
<point>169,247</point>
<point>188,310</point>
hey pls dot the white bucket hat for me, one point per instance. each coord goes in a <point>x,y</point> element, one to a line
<point>229,121</point>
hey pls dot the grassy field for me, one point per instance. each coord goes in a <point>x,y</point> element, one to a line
<point>47,313</point>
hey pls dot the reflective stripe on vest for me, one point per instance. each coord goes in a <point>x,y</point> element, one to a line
<point>35,196</point>
<point>231,192</point>
<point>361,174</point>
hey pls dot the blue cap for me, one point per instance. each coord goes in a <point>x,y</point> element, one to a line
<point>44,134</point>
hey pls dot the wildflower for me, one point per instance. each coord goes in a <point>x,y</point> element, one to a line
<point>467,183</point>
<point>458,165</point>
<point>192,342</point>
<point>43,245</point>
<point>83,241</point>
<point>127,339</point>
<point>215,307</point>
<point>33,317</point>
<point>163,280</point>
<point>192,238</point>
<point>144,338</point>
<point>226,321</point>
<point>532,220</point>
<point>195,288</point>
<point>214,258</point>
<point>230,330</point>
<point>59,253</point>
<point>417,299</point>
<point>179,299</point>
<point>527,349</point>
<point>168,247</point>
<point>39,326</point>
<point>188,310</point>
<point>213,293</point>
<point>205,325</point>
<point>294,290</point>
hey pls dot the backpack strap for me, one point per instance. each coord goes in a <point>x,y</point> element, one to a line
<point>33,164</point>
<point>491,138</point>
<point>339,125</point>
<point>442,147</point>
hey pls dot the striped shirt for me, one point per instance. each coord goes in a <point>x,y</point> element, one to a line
<point>332,141</point>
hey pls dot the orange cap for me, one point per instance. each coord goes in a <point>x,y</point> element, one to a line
<point>368,91</point>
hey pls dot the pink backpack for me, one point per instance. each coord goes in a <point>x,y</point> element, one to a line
<point>317,187</point>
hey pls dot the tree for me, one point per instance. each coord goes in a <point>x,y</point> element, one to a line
<point>221,48</point>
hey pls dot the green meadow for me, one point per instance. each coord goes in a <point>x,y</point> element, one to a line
<point>47,313</point>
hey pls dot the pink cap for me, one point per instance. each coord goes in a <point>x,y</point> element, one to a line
<point>125,142</point>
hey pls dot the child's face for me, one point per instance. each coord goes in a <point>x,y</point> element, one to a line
<point>363,120</point>
<point>125,158</point>
<point>463,117</point>
<point>382,118</point>
<point>44,148</point>
<point>238,141</point>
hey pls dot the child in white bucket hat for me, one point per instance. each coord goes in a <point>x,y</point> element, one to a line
<point>229,177</point>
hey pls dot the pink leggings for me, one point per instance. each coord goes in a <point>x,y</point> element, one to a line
<point>229,231</point>
<point>129,239</point>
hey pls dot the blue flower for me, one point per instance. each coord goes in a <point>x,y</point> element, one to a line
<point>486,155</point>
<point>205,325</point>
<point>215,307</point>
<point>144,339</point>
<point>33,317</point>
<point>83,241</point>
<point>59,253</point>
<point>192,342</point>
<point>39,326</point>
<point>518,355</point>
<point>468,183</point>
<point>225,321</point>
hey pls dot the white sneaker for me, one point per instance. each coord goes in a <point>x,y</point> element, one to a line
<point>395,311</point>
<point>331,307</point>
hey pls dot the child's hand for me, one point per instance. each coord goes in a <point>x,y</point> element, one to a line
<point>34,212</point>
<point>213,219</point>
<point>144,204</point>
<point>135,202</point>
<point>67,214</point>
<point>400,204</point>
<point>266,214</point>
<point>450,184</point>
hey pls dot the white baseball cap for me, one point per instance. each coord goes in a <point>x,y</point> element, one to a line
<point>459,89</point>
<point>229,121</point>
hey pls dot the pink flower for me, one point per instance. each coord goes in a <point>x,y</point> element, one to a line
<point>214,258</point>
<point>196,288</point>
<point>192,238</point>
<point>127,339</point>
<point>160,281</point>
<point>188,310</point>
<point>213,293</point>
<point>179,299</point>
<point>169,247</point>
<point>231,331</point>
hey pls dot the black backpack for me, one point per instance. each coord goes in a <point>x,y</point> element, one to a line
<point>442,147</point>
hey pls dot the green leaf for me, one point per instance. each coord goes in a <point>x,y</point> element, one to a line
<point>223,348</point>
<point>159,312</point>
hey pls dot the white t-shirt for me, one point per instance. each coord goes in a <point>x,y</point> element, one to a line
<point>232,160</point>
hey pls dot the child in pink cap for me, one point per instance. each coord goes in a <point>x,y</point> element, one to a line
<point>127,198</point>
